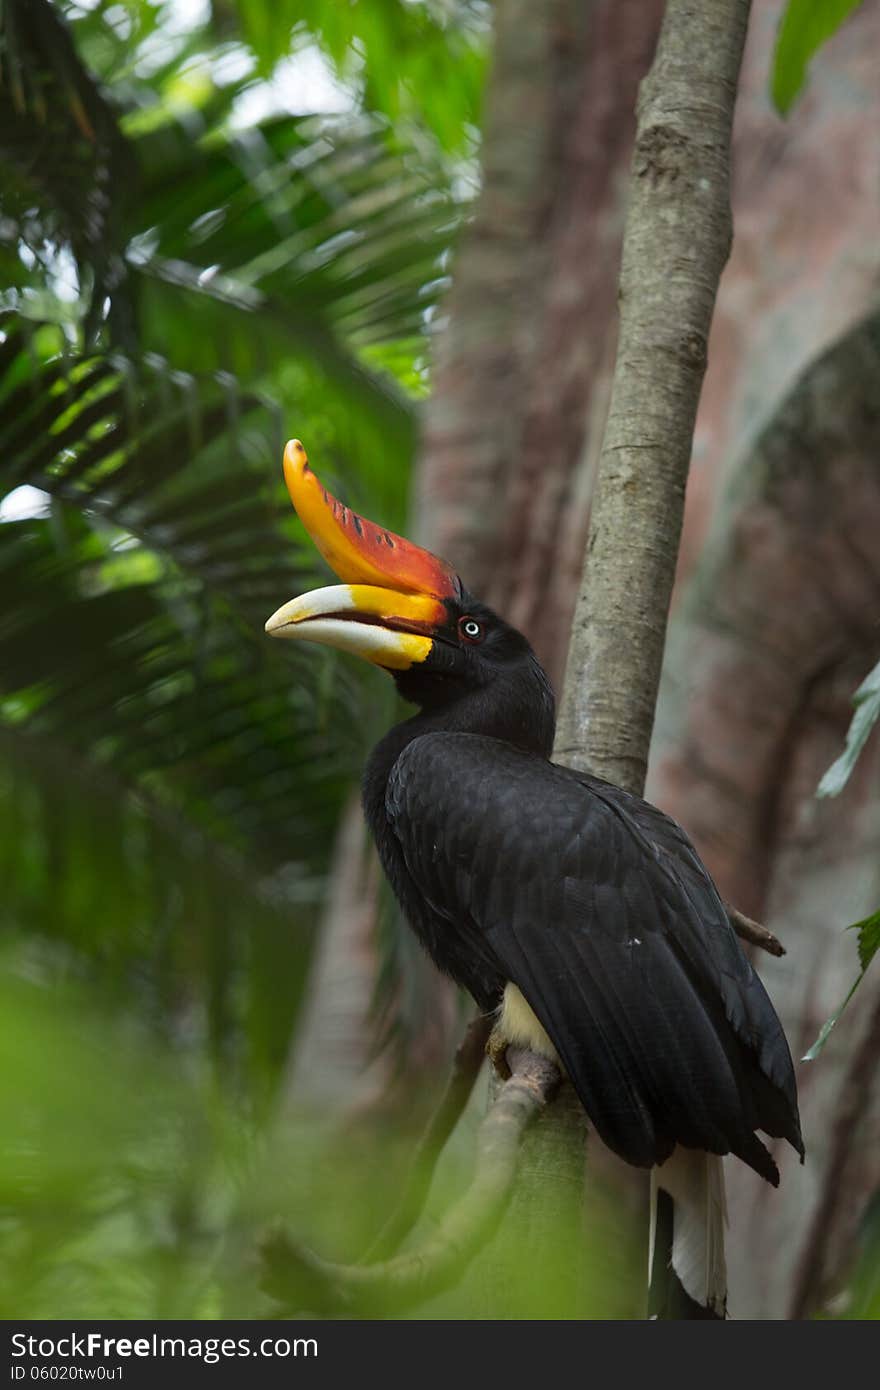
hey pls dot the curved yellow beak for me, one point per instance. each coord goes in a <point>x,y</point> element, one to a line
<point>393,601</point>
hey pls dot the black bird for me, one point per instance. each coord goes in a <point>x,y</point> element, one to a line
<point>580,915</point>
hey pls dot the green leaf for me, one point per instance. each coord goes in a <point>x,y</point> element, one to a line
<point>423,62</point>
<point>867,703</point>
<point>869,943</point>
<point>869,939</point>
<point>805,26</point>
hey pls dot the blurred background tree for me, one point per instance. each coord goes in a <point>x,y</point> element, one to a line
<point>225,223</point>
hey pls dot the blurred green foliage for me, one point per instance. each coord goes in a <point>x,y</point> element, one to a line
<point>804,27</point>
<point>133,1185</point>
<point>221,225</point>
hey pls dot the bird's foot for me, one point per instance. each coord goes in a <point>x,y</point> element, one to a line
<point>496,1051</point>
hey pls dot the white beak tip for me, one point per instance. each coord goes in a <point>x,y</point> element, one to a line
<point>276,624</point>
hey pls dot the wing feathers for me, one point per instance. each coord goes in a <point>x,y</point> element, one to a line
<point>597,907</point>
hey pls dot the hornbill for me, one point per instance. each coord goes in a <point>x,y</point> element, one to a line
<point>578,914</point>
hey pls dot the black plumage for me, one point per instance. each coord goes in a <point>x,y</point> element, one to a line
<point>590,900</point>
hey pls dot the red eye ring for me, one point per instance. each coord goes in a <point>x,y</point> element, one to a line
<point>470,630</point>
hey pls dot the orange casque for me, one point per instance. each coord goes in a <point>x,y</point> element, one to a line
<point>357,550</point>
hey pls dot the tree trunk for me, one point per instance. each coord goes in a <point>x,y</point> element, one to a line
<point>678,235</point>
<point>676,242</point>
<point>777,630</point>
<point>739,778</point>
<point>512,427</point>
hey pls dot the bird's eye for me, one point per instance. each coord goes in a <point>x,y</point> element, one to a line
<point>471,630</point>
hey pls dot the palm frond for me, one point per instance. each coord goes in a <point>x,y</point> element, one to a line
<point>308,239</point>
<point>63,159</point>
<point>135,613</point>
<point>312,239</point>
<point>292,263</point>
<point>422,62</point>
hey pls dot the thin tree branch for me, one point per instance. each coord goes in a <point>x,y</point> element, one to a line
<point>299,1279</point>
<point>754,932</point>
<point>469,1057</point>
<point>676,241</point>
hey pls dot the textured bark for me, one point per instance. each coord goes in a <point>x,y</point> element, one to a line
<point>777,629</point>
<point>677,239</point>
<point>512,427</point>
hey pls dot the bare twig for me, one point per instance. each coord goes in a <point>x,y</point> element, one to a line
<point>469,1057</point>
<point>755,932</point>
<point>299,1279</point>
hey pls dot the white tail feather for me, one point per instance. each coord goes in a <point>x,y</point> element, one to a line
<point>695,1182</point>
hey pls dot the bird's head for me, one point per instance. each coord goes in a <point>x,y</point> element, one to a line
<point>401,608</point>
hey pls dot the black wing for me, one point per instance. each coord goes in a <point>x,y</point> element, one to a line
<point>598,908</point>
